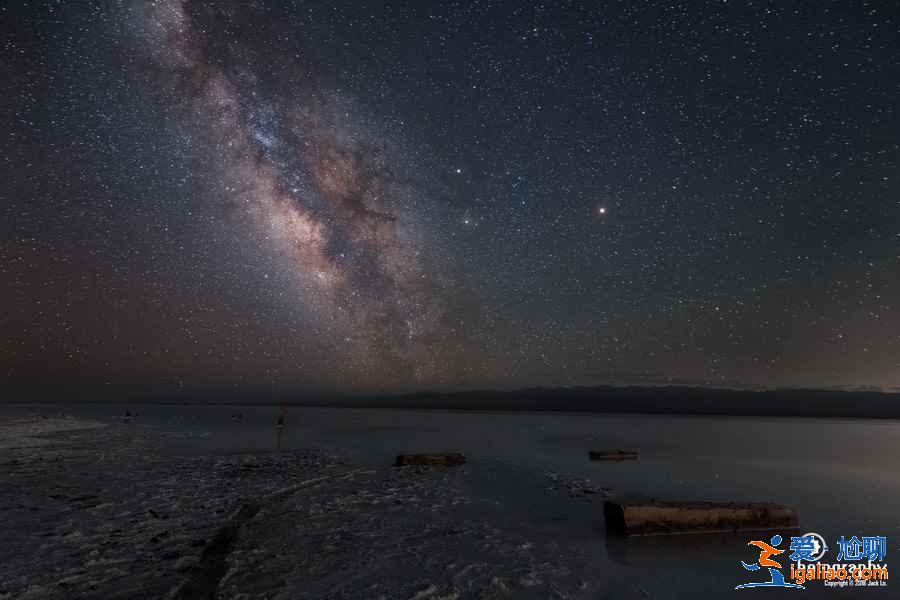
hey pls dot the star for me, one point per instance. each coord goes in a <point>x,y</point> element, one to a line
<point>288,192</point>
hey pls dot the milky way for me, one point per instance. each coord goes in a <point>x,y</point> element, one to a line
<point>323,196</point>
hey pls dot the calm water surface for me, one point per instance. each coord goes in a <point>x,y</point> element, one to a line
<point>840,475</point>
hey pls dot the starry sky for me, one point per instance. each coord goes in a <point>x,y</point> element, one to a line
<point>361,196</point>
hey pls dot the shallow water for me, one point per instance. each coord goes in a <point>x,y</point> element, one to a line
<point>840,475</point>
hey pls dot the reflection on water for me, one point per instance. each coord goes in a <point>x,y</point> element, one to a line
<point>839,475</point>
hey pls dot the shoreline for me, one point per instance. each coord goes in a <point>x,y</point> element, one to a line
<point>105,512</point>
<point>891,418</point>
<point>27,432</point>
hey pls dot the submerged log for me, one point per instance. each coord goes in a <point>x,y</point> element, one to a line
<point>666,518</point>
<point>613,455</point>
<point>434,460</point>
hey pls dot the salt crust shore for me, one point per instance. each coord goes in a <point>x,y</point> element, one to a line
<point>23,432</point>
<point>93,511</point>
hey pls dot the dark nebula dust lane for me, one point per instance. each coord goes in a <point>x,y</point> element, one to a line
<point>324,194</point>
<point>329,197</point>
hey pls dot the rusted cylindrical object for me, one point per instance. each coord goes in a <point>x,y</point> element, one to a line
<point>434,460</point>
<point>666,518</point>
<point>613,455</point>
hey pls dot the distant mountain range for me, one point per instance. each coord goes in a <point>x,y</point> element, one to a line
<point>655,400</point>
<point>675,399</point>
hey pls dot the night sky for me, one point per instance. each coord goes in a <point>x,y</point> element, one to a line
<point>367,197</point>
